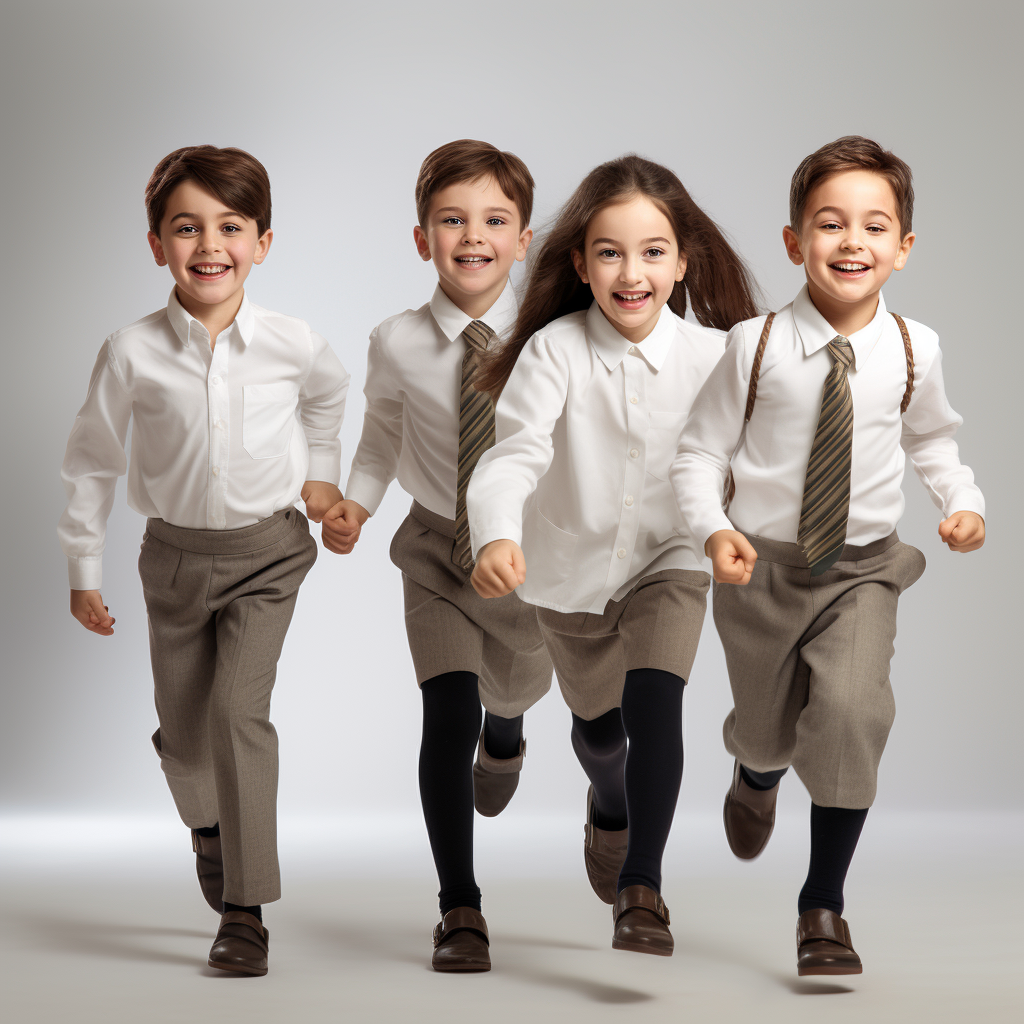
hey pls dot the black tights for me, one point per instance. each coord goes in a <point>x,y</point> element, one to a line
<point>451,725</point>
<point>642,777</point>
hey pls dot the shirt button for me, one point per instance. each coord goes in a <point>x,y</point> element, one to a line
<point>621,552</point>
<point>632,350</point>
<point>634,453</point>
<point>216,470</point>
<point>629,499</point>
<point>215,380</point>
<point>633,399</point>
<point>219,424</point>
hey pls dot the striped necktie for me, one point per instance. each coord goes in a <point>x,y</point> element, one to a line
<point>476,434</point>
<point>826,504</point>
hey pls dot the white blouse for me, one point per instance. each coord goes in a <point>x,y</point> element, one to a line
<point>587,428</point>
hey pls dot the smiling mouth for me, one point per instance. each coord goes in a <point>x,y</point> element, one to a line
<point>209,269</point>
<point>473,261</point>
<point>631,300</point>
<point>849,268</point>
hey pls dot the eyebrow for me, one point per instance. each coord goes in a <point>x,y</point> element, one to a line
<point>195,216</point>
<point>870,213</point>
<point>646,241</point>
<point>459,209</point>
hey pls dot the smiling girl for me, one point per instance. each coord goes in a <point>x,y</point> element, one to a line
<point>596,382</point>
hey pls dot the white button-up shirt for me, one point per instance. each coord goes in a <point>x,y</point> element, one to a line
<point>769,457</point>
<point>587,428</point>
<point>413,391</point>
<point>221,438</point>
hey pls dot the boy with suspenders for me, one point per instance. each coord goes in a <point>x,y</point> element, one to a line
<point>810,416</point>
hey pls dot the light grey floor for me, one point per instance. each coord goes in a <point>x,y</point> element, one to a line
<point>102,922</point>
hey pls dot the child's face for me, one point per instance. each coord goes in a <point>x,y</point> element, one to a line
<point>849,242</point>
<point>473,235</point>
<point>631,261</point>
<point>208,248</point>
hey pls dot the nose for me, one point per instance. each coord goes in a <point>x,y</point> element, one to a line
<point>209,242</point>
<point>473,234</point>
<point>631,272</point>
<point>852,240</point>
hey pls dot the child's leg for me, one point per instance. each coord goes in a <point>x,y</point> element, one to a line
<point>834,835</point>
<point>600,745</point>
<point>652,714</point>
<point>451,725</point>
<point>502,736</point>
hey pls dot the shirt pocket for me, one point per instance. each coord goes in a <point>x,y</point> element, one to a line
<point>662,441</point>
<point>555,547</point>
<point>268,418</point>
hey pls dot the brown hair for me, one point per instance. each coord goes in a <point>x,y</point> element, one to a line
<point>720,287</point>
<point>469,160</point>
<point>231,175</point>
<point>852,152</point>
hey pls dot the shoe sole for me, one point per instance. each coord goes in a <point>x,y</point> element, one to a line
<point>804,972</point>
<point>467,969</point>
<point>237,969</point>
<point>632,948</point>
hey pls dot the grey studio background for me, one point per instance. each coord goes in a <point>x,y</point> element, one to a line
<point>342,102</point>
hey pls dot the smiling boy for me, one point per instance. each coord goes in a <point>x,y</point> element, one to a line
<point>236,412</point>
<point>426,424</point>
<point>814,410</point>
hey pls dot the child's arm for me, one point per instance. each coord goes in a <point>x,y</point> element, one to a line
<point>94,460</point>
<point>701,465</point>
<point>322,409</point>
<point>507,474</point>
<point>375,463</point>
<point>928,428</point>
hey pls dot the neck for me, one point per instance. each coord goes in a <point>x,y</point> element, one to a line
<point>215,318</point>
<point>844,318</point>
<point>474,305</point>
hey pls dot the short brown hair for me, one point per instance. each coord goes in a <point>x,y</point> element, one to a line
<point>847,154</point>
<point>469,160</point>
<point>231,175</point>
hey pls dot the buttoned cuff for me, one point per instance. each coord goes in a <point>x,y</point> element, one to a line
<point>965,499</point>
<point>85,572</point>
<point>366,490</point>
<point>496,529</point>
<point>324,467</point>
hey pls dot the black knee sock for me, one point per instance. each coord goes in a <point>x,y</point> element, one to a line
<point>208,833</point>
<point>652,714</point>
<point>256,912</point>
<point>761,780</point>
<point>834,835</point>
<point>502,736</point>
<point>451,725</point>
<point>600,745</point>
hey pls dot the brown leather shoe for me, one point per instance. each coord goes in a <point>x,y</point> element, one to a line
<point>641,922</point>
<point>749,816</point>
<point>460,942</point>
<point>210,869</point>
<point>823,944</point>
<point>603,853</point>
<point>241,944</point>
<point>495,779</point>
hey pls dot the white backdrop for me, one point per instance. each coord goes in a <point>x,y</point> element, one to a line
<point>341,102</point>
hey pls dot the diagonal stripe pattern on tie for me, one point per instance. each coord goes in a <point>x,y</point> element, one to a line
<point>476,434</point>
<point>826,503</point>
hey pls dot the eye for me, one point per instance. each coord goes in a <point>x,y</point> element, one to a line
<point>187,229</point>
<point>452,220</point>
<point>609,254</point>
<point>495,221</point>
<point>876,229</point>
<point>830,225</point>
<point>231,229</point>
<point>654,252</point>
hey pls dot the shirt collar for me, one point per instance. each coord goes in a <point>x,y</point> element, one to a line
<point>612,347</point>
<point>187,327</point>
<point>453,321</point>
<point>816,332</point>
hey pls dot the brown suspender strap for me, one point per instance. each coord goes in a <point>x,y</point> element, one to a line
<point>910,362</point>
<point>755,370</point>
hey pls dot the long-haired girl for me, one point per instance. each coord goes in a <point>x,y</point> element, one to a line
<point>595,384</point>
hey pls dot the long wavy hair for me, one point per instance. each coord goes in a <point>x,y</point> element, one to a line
<point>720,287</point>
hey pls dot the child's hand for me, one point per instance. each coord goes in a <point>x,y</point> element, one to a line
<point>732,556</point>
<point>342,525</point>
<point>87,606</point>
<point>319,496</point>
<point>500,568</point>
<point>963,531</point>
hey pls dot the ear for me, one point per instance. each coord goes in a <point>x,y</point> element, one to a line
<point>904,250</point>
<point>422,243</point>
<point>681,267</point>
<point>158,250</point>
<point>524,243</point>
<point>792,242</point>
<point>580,264</point>
<point>263,247</point>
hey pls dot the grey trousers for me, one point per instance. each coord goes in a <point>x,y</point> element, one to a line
<point>656,625</point>
<point>451,628</point>
<point>808,661</point>
<point>219,603</point>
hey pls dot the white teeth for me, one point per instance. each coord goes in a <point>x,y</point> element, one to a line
<point>211,270</point>
<point>471,259</point>
<point>850,266</point>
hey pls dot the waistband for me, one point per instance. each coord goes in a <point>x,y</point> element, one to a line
<point>783,553</point>
<point>442,525</point>
<point>227,542</point>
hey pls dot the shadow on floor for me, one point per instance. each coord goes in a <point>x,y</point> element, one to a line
<point>800,987</point>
